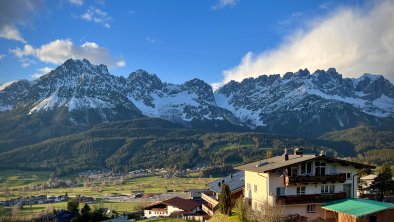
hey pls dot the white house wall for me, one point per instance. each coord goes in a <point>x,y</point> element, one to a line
<point>268,193</point>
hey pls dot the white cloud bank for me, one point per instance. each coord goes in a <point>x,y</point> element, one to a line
<point>353,40</point>
<point>56,52</point>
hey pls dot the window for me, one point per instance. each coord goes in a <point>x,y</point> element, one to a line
<point>255,188</point>
<point>320,168</point>
<point>309,168</point>
<point>332,188</point>
<point>311,208</point>
<point>328,189</point>
<point>306,168</point>
<point>348,176</point>
<point>294,171</point>
<point>248,186</point>
<point>303,168</point>
<point>300,190</point>
<point>324,189</point>
<point>280,191</point>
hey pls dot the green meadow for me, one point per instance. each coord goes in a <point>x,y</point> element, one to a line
<point>13,182</point>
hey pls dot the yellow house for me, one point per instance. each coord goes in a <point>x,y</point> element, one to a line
<point>300,183</point>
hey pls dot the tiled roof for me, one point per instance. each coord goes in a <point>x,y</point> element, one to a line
<point>277,162</point>
<point>184,204</point>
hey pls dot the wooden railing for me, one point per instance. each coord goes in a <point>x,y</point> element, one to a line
<point>309,198</point>
<point>207,210</point>
<point>209,199</point>
<point>294,180</point>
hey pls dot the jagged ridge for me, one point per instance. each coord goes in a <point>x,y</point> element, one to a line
<point>296,102</point>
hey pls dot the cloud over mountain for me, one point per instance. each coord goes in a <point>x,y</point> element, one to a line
<point>352,39</point>
<point>57,51</point>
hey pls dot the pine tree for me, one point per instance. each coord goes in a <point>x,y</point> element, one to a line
<point>384,181</point>
<point>85,210</point>
<point>225,200</point>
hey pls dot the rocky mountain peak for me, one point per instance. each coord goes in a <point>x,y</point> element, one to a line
<point>76,67</point>
<point>141,82</point>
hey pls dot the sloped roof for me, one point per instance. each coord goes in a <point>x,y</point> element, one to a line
<point>357,207</point>
<point>277,162</point>
<point>235,181</point>
<point>184,204</point>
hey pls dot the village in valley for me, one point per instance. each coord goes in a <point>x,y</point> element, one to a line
<point>196,110</point>
<point>295,186</point>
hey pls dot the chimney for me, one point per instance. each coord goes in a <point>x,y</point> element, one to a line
<point>322,153</point>
<point>298,151</point>
<point>286,155</point>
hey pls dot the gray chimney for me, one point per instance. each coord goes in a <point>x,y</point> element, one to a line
<point>298,151</point>
<point>286,155</point>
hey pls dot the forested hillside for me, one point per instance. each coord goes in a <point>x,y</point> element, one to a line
<point>156,143</point>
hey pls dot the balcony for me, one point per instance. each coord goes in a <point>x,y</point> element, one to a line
<point>211,204</point>
<point>210,199</point>
<point>207,210</point>
<point>332,178</point>
<point>309,198</point>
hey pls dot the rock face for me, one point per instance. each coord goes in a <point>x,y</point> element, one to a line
<point>302,102</point>
<point>297,103</point>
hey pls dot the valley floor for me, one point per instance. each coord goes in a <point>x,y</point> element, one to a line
<point>15,183</point>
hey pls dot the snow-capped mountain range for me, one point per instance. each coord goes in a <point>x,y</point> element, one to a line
<point>296,102</point>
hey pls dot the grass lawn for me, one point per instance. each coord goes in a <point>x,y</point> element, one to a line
<point>150,184</point>
<point>18,178</point>
<point>120,207</point>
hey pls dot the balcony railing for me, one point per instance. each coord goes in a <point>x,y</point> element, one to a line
<point>209,199</point>
<point>332,178</point>
<point>309,198</point>
<point>207,210</point>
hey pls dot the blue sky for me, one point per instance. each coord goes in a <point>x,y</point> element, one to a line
<point>214,40</point>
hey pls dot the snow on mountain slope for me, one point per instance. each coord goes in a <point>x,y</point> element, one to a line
<point>255,99</point>
<point>186,102</point>
<point>321,101</point>
<point>5,85</point>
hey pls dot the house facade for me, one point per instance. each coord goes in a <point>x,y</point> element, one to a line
<point>175,207</point>
<point>300,183</point>
<point>236,184</point>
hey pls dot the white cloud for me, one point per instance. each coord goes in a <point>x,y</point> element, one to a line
<point>17,12</point>
<point>224,3</point>
<point>77,2</point>
<point>97,16</point>
<point>40,72</point>
<point>2,56</point>
<point>10,32</point>
<point>56,52</point>
<point>151,40</point>
<point>353,40</point>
